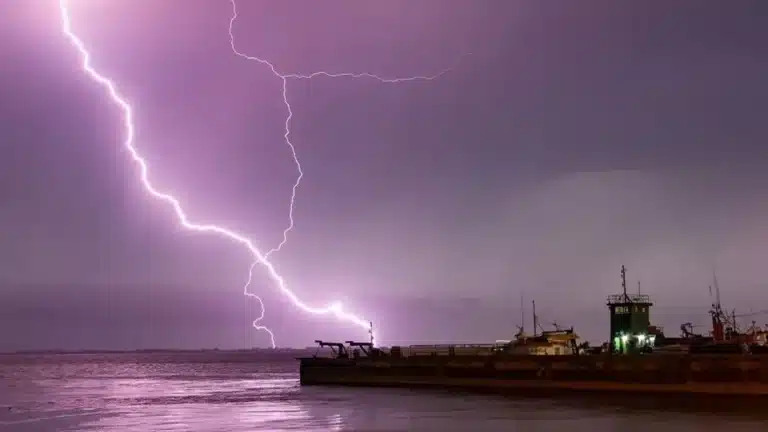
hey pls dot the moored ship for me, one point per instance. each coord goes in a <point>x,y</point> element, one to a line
<point>637,358</point>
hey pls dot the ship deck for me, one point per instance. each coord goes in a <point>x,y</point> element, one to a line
<point>700,374</point>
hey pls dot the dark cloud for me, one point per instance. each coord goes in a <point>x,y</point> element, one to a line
<point>571,141</point>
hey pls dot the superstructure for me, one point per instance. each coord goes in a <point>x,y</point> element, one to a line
<point>638,358</point>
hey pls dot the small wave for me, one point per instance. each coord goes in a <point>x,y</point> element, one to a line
<point>279,395</point>
<point>206,399</point>
<point>186,377</point>
<point>49,417</point>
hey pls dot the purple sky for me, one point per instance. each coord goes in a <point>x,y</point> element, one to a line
<point>577,137</point>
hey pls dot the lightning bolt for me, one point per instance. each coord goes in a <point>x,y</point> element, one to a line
<point>287,136</point>
<point>336,309</point>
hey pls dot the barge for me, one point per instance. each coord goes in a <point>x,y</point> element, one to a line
<point>634,361</point>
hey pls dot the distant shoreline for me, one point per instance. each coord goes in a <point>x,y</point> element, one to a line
<point>166,351</point>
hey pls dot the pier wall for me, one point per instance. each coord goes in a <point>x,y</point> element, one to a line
<point>717,374</point>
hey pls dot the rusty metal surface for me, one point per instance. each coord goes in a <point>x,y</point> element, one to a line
<point>620,369</point>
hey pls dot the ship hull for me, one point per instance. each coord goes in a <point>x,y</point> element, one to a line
<point>713,375</point>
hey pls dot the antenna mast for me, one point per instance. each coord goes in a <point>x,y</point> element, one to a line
<point>535,318</point>
<point>370,331</point>
<point>624,281</point>
<point>717,288</point>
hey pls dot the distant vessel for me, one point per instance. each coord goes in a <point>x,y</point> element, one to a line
<point>638,358</point>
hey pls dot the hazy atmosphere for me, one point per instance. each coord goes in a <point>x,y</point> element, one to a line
<point>569,138</point>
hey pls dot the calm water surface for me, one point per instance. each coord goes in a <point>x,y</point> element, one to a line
<point>142,393</point>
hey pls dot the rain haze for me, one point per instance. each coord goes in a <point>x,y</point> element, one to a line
<point>569,138</point>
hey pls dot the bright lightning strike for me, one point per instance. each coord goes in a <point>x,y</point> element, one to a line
<point>287,135</point>
<point>335,309</point>
<point>284,78</point>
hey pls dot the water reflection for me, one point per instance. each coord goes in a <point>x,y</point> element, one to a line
<point>251,397</point>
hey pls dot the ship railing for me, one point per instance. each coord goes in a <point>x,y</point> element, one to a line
<point>628,298</point>
<point>449,350</point>
<point>337,349</point>
<point>440,346</point>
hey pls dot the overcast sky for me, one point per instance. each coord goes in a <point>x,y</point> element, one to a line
<point>576,137</point>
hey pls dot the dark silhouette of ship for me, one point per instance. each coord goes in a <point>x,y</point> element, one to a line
<point>638,358</point>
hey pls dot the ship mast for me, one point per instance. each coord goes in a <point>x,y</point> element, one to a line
<point>624,282</point>
<point>717,289</point>
<point>370,331</point>
<point>723,323</point>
